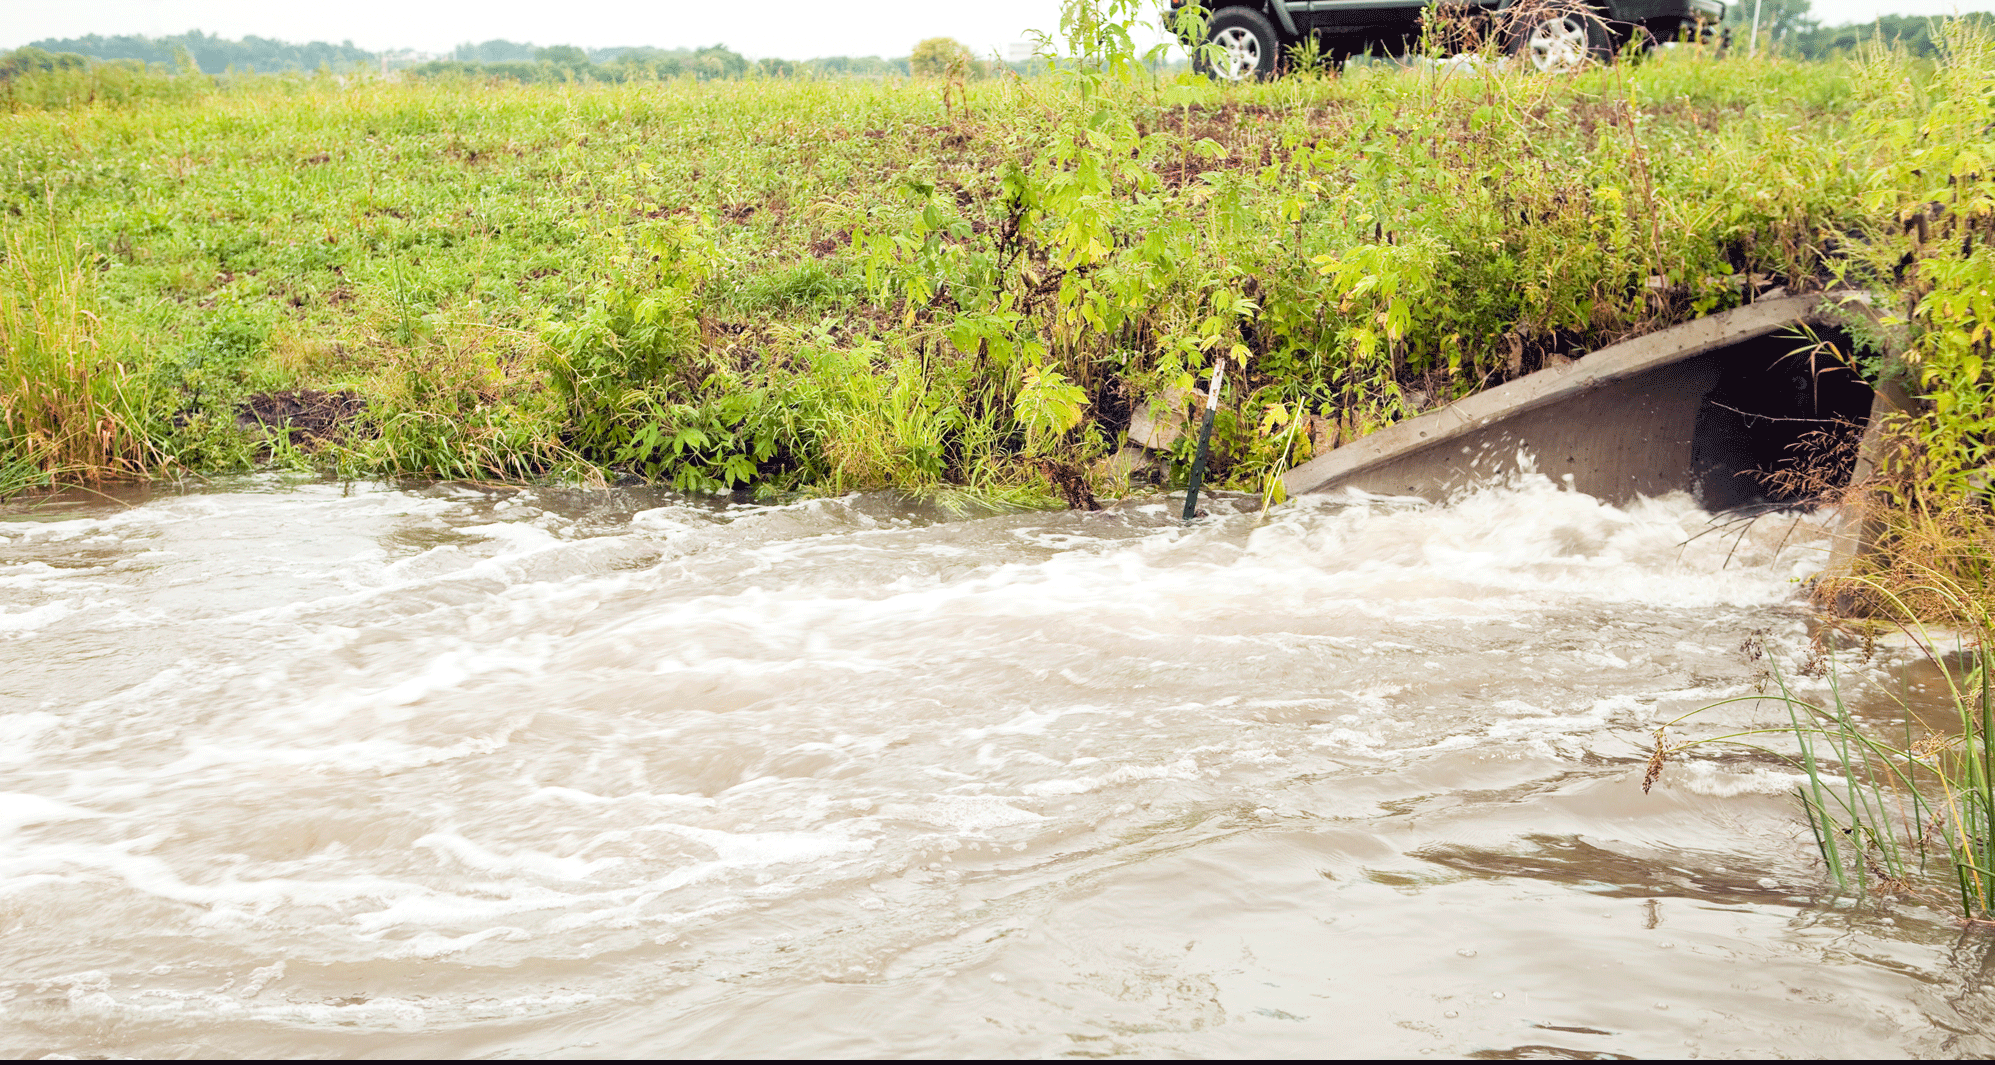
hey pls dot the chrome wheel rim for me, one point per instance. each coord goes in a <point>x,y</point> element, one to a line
<point>1240,53</point>
<point>1558,44</point>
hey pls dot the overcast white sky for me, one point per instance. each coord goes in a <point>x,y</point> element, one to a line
<point>792,29</point>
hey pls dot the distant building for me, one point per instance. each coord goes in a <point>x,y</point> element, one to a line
<point>1018,51</point>
<point>406,58</point>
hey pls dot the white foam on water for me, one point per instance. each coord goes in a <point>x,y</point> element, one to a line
<point>522,862</point>
<point>1724,782</point>
<point>18,809</point>
<point>968,814</point>
<point>30,619</point>
<point>20,732</point>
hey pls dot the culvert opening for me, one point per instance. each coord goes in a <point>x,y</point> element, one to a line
<point>1781,424</point>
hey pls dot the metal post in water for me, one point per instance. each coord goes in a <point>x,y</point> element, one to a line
<point>1204,437</point>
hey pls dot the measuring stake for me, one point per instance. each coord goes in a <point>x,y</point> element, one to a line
<point>1204,437</point>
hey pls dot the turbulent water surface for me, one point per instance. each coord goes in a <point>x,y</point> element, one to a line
<point>331,770</point>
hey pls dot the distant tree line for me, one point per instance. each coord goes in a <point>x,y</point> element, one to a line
<point>564,62</point>
<point>196,51</point>
<point>1914,33</point>
<point>946,57</point>
<point>211,53</point>
<point>500,59</point>
<point>1789,28</point>
<point>32,60</point>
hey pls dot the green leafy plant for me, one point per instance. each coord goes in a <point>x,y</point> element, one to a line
<point>1048,406</point>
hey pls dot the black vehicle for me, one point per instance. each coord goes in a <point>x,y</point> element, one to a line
<point>1253,37</point>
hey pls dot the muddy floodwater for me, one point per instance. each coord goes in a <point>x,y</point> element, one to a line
<point>305,769</point>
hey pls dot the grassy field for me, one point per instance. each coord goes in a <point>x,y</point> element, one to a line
<point>781,285</point>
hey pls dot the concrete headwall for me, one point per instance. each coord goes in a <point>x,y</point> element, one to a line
<point>1704,407</point>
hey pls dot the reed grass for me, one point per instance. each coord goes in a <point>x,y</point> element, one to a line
<point>69,407</point>
<point>1911,815</point>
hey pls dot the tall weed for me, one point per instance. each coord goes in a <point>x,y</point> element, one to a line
<point>1913,815</point>
<point>70,409</point>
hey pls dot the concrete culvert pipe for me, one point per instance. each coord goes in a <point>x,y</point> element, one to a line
<point>1722,407</point>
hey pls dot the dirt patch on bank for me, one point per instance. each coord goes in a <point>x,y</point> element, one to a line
<point>308,417</point>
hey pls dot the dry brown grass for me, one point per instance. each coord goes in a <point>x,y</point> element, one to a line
<point>1930,555</point>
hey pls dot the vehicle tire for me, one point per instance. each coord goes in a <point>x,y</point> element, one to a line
<point>1558,36</point>
<point>1240,45</point>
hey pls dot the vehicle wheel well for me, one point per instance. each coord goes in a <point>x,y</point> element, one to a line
<point>1259,7</point>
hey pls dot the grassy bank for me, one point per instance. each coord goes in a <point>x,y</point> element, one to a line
<point>827,285</point>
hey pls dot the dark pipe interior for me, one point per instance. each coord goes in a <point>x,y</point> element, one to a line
<point>1781,425</point>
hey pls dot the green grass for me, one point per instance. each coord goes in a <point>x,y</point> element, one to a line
<point>826,285</point>
<point>71,408</point>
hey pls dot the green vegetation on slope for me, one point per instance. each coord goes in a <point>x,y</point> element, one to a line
<point>776,285</point>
